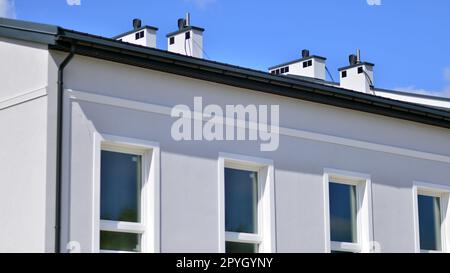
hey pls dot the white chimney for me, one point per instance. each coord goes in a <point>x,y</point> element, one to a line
<point>140,35</point>
<point>312,66</point>
<point>358,76</point>
<point>187,40</point>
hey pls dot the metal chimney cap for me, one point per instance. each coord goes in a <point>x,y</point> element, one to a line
<point>353,59</point>
<point>181,23</point>
<point>305,53</point>
<point>137,23</point>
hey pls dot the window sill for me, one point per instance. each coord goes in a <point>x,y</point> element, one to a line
<point>345,247</point>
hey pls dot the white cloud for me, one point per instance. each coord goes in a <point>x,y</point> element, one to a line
<point>374,2</point>
<point>74,2</point>
<point>7,9</point>
<point>447,74</point>
<point>447,92</point>
<point>202,4</point>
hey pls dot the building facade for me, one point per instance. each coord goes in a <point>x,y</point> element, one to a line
<point>89,161</point>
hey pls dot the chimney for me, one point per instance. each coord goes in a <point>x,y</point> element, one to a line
<point>187,40</point>
<point>312,66</point>
<point>139,35</point>
<point>357,76</point>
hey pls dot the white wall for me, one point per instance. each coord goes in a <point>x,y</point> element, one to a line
<point>26,199</point>
<point>22,68</point>
<point>317,70</point>
<point>23,177</point>
<point>358,81</point>
<point>191,47</point>
<point>149,39</point>
<point>320,137</point>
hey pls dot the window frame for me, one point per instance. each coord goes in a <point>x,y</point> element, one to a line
<point>149,224</point>
<point>364,227</point>
<point>434,190</point>
<point>265,238</point>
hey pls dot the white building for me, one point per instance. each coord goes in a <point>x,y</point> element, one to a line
<point>88,161</point>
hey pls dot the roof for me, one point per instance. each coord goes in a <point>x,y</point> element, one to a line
<point>135,30</point>
<point>184,30</point>
<point>297,61</point>
<point>62,39</point>
<point>410,94</point>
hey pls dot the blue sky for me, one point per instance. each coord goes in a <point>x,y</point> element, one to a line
<point>408,40</point>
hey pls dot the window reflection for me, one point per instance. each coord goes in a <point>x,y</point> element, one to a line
<point>343,209</point>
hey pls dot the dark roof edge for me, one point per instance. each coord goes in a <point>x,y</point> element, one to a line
<point>111,50</point>
<point>410,94</point>
<point>355,65</point>
<point>297,61</point>
<point>28,31</point>
<point>134,30</point>
<point>184,30</point>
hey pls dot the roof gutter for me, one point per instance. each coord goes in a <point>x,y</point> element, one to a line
<point>60,98</point>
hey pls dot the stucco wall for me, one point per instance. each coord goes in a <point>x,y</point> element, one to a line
<point>189,186</point>
<point>23,67</point>
<point>26,199</point>
<point>27,159</point>
<point>23,177</point>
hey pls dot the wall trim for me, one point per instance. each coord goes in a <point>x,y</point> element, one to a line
<point>23,97</point>
<point>303,134</point>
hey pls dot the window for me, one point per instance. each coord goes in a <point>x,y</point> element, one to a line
<point>246,185</point>
<point>188,35</point>
<point>129,186</point>
<point>344,74</point>
<point>281,70</point>
<point>121,183</point>
<point>431,206</point>
<point>348,211</point>
<point>307,63</point>
<point>139,35</point>
<point>241,207</point>
<point>360,70</point>
<point>172,40</point>
<point>429,222</point>
<point>342,212</point>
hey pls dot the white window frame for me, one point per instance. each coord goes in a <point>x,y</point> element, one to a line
<point>265,238</point>
<point>435,190</point>
<point>364,227</point>
<point>149,225</point>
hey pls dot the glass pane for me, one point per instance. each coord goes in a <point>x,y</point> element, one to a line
<point>232,247</point>
<point>343,212</point>
<point>241,201</point>
<point>120,186</point>
<point>429,222</point>
<point>120,241</point>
